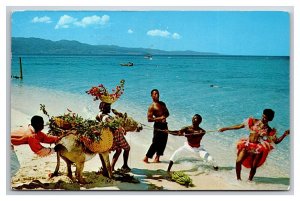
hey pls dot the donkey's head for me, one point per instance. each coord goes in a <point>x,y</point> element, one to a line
<point>128,123</point>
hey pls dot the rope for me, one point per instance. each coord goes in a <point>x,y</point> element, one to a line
<point>145,125</point>
<point>156,129</point>
<point>210,131</point>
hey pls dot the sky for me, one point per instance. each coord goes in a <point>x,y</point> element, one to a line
<point>223,32</point>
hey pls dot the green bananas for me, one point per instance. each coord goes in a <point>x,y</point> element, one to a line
<point>181,178</point>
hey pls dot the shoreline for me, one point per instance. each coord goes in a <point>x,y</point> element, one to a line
<point>151,176</point>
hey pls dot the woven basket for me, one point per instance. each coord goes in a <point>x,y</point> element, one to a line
<point>103,145</point>
<point>62,123</point>
<point>108,99</point>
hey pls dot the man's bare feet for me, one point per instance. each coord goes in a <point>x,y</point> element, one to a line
<point>156,160</point>
<point>146,159</point>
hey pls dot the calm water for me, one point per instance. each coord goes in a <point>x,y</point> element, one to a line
<point>225,90</point>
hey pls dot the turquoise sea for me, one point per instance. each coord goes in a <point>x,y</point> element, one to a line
<point>224,90</point>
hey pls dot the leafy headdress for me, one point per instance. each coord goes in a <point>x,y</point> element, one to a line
<point>101,93</point>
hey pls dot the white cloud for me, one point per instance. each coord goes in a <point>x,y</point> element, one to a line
<point>44,19</point>
<point>90,20</point>
<point>66,21</point>
<point>176,36</point>
<point>163,33</point>
<point>157,32</point>
<point>104,19</point>
<point>130,31</point>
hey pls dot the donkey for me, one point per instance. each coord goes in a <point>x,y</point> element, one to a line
<point>71,150</point>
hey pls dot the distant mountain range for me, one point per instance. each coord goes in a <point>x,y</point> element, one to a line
<point>28,46</point>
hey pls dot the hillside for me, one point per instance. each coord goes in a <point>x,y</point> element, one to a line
<point>28,46</point>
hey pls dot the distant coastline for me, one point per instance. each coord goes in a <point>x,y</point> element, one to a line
<point>38,46</point>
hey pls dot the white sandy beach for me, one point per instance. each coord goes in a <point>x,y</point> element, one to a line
<point>33,173</point>
<point>37,168</point>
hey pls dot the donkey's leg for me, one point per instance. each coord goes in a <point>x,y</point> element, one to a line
<point>55,173</point>
<point>107,163</point>
<point>104,169</point>
<point>69,170</point>
<point>79,169</point>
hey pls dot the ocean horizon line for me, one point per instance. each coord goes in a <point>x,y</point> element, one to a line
<point>158,55</point>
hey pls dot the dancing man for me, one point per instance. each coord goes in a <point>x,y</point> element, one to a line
<point>192,148</point>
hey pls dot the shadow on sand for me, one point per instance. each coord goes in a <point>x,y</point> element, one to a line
<point>121,181</point>
<point>209,168</point>
<point>150,174</point>
<point>137,179</point>
<point>38,185</point>
<point>270,180</point>
<point>62,182</point>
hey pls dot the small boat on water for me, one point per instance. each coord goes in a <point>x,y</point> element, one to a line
<point>127,64</point>
<point>148,57</point>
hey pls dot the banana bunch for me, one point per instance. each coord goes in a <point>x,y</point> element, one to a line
<point>181,178</point>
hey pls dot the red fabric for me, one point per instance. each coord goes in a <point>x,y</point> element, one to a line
<point>255,148</point>
<point>250,122</point>
<point>34,140</point>
<point>119,140</point>
<point>265,145</point>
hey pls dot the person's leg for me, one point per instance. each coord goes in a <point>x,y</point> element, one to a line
<point>115,158</point>
<point>207,157</point>
<point>163,138</point>
<point>170,166</point>
<point>156,159</point>
<point>146,159</point>
<point>254,165</point>
<point>241,156</point>
<point>177,155</point>
<point>125,158</point>
<point>152,149</point>
<point>123,144</point>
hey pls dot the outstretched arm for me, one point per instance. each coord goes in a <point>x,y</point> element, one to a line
<point>174,132</point>
<point>199,132</point>
<point>235,127</point>
<point>36,147</point>
<point>180,132</point>
<point>117,113</point>
<point>278,140</point>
